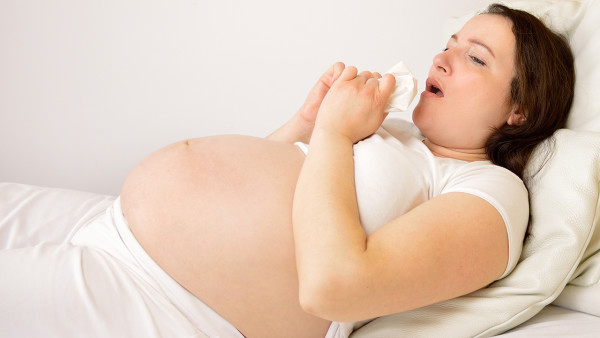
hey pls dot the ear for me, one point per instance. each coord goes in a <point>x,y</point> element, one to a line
<point>517,116</point>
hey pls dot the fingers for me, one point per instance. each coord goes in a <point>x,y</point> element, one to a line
<point>387,84</point>
<point>332,74</point>
<point>337,69</point>
<point>349,73</point>
<point>365,74</point>
<point>368,74</point>
<point>371,79</point>
<point>372,83</point>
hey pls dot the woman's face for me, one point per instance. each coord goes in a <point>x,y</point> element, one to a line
<point>468,89</point>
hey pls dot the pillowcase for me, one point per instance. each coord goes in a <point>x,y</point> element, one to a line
<point>583,292</point>
<point>562,16</point>
<point>585,43</point>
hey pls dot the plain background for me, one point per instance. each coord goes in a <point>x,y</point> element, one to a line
<point>89,88</point>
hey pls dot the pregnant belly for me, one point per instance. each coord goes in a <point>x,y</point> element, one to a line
<point>215,214</point>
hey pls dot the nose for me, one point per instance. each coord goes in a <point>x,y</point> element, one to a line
<point>441,62</point>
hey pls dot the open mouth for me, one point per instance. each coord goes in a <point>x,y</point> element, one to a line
<point>432,87</point>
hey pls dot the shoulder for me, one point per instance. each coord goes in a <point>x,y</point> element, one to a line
<point>505,191</point>
<point>493,183</point>
<point>486,177</point>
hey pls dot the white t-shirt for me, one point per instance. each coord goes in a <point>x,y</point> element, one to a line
<point>395,172</point>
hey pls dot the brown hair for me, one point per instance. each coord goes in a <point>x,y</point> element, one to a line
<point>543,88</point>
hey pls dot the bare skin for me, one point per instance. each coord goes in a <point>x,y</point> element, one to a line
<point>222,228</point>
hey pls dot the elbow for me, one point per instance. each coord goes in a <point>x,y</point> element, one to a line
<point>312,298</point>
<point>319,301</point>
<point>328,297</point>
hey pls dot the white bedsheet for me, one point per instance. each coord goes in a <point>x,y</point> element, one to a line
<point>554,321</point>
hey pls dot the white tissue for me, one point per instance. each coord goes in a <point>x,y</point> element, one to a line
<point>406,89</point>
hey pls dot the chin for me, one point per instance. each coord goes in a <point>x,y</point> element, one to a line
<point>418,117</point>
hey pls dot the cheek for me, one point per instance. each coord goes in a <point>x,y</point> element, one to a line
<point>487,108</point>
<point>482,116</point>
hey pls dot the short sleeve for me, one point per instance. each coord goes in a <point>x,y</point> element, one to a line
<point>504,191</point>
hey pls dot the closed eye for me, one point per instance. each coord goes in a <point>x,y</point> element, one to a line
<point>477,60</point>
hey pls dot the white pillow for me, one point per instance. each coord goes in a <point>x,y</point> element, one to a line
<point>585,44</point>
<point>562,16</point>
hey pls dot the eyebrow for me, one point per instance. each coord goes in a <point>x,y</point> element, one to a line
<point>477,42</point>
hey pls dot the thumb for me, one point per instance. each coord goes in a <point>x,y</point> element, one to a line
<point>387,85</point>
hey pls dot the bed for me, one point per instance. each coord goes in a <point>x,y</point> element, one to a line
<point>555,289</point>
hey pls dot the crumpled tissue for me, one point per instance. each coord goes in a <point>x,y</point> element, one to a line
<point>406,89</point>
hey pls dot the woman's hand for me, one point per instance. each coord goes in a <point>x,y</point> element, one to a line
<point>301,126</point>
<point>310,108</point>
<point>354,105</point>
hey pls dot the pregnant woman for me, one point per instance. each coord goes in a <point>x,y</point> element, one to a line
<point>273,240</point>
<point>334,219</point>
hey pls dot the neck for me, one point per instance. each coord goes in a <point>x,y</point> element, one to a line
<point>467,155</point>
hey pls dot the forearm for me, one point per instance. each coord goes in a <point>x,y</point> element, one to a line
<point>294,130</point>
<point>331,244</point>
<point>329,238</point>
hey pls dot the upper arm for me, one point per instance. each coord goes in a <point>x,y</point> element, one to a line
<point>448,246</point>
